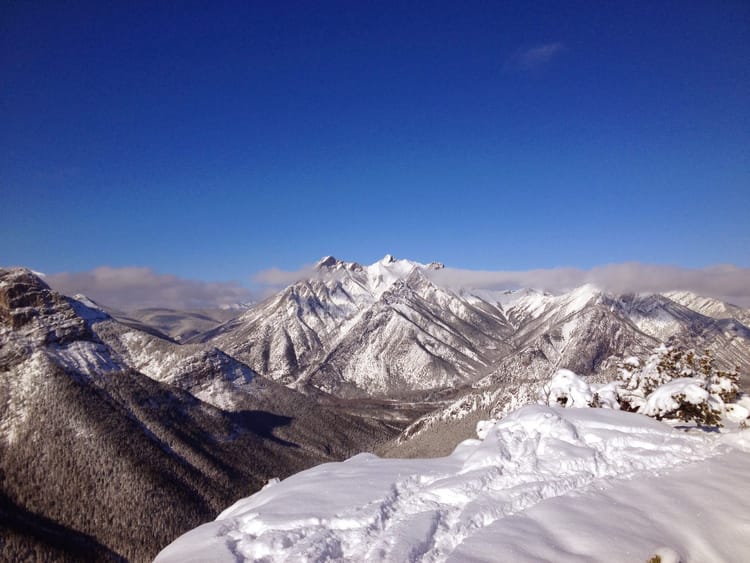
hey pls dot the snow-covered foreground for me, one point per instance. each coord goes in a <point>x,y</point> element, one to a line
<point>544,483</point>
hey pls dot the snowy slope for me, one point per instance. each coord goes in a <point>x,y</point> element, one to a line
<point>710,307</point>
<point>534,488</point>
<point>206,372</point>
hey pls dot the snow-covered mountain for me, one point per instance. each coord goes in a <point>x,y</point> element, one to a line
<point>373,330</point>
<point>388,329</point>
<point>709,306</point>
<point>585,330</point>
<point>105,430</point>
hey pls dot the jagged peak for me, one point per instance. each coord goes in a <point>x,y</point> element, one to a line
<point>20,275</point>
<point>388,261</point>
<point>333,263</point>
<point>327,262</point>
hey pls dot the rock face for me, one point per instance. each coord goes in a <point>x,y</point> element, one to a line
<point>114,441</point>
<point>28,306</point>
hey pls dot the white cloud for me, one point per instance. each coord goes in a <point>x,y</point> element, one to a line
<point>725,282</point>
<point>136,287</point>
<point>538,55</point>
<point>277,278</point>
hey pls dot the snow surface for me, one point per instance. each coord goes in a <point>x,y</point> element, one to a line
<point>545,483</point>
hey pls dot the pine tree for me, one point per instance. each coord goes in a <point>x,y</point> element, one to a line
<point>700,397</point>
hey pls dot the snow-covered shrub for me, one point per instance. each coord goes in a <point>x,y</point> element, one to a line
<point>685,399</point>
<point>672,383</point>
<point>725,384</point>
<point>687,363</point>
<point>636,380</point>
<point>676,383</point>
<point>566,389</point>
<point>605,395</point>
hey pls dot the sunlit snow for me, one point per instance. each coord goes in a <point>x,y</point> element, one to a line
<point>544,483</point>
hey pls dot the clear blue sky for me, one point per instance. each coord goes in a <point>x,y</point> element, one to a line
<point>212,140</point>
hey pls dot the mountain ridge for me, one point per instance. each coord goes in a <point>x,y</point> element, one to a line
<point>338,329</point>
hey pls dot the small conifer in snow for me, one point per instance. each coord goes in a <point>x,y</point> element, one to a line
<point>673,383</point>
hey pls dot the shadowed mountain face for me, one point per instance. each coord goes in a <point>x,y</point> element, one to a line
<point>106,451</point>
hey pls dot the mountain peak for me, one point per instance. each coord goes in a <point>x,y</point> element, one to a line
<point>21,292</point>
<point>333,263</point>
<point>388,259</point>
<point>28,303</point>
<point>12,276</point>
<point>327,262</point>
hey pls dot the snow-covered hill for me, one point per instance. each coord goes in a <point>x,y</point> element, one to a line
<point>541,484</point>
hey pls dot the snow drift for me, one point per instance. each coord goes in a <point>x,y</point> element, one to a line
<point>544,483</point>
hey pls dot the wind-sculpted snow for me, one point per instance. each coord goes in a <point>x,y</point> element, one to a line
<point>372,509</point>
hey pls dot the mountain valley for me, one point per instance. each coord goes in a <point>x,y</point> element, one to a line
<point>121,430</point>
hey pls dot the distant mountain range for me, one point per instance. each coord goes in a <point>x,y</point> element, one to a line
<point>389,330</point>
<point>120,430</point>
<point>177,325</point>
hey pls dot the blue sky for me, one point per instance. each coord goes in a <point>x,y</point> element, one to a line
<point>214,140</point>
